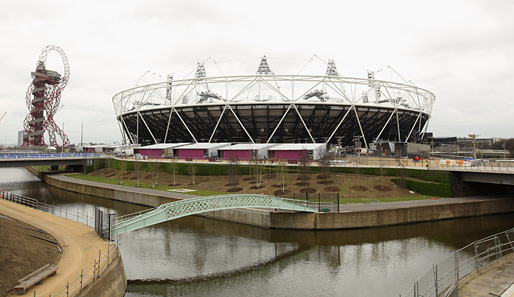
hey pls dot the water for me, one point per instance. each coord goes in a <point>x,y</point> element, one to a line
<point>195,256</point>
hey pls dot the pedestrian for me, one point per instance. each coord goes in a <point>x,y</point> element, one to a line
<point>426,163</point>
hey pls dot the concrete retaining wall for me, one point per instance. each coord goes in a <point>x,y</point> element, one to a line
<point>385,217</point>
<point>306,221</point>
<point>112,282</point>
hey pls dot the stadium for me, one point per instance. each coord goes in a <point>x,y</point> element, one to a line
<point>269,108</point>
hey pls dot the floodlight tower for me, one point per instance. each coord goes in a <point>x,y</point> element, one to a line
<point>43,98</point>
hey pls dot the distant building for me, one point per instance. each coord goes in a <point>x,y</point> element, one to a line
<point>20,137</point>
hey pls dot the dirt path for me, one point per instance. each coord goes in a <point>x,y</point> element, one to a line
<point>80,244</point>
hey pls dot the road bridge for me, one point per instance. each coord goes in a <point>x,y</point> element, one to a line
<point>40,159</point>
<point>192,206</point>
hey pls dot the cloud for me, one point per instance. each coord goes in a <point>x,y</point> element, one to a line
<point>460,50</point>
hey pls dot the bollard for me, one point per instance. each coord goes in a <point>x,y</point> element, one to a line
<point>81,277</point>
<point>99,253</point>
<point>337,201</point>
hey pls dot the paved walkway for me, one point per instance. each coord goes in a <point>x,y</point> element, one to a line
<point>343,208</point>
<point>80,244</point>
<point>495,279</point>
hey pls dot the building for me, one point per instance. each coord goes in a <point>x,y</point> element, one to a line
<point>200,150</point>
<point>21,134</point>
<point>269,108</point>
<point>246,151</point>
<point>158,151</point>
<point>292,152</point>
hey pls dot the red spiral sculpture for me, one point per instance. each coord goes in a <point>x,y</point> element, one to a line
<point>43,98</point>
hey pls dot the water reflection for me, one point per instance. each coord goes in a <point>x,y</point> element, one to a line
<point>196,256</point>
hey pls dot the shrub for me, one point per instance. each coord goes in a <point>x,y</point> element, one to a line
<point>424,188</point>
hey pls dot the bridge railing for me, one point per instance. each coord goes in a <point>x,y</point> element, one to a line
<point>50,156</point>
<point>354,161</point>
<point>445,276</point>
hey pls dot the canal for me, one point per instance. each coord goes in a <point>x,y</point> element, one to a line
<point>196,256</point>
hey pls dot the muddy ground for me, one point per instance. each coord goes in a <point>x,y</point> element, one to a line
<point>347,185</point>
<point>21,252</point>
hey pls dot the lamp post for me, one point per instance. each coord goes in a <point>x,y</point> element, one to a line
<point>474,137</point>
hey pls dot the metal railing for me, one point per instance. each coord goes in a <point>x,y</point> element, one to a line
<point>76,285</point>
<point>444,277</point>
<point>50,156</point>
<point>354,161</point>
<point>52,209</point>
<point>88,276</point>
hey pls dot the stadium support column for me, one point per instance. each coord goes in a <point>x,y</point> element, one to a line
<point>184,123</point>
<point>168,126</point>
<point>217,124</point>
<point>279,123</point>
<point>338,125</point>
<point>413,126</point>
<point>146,125</point>
<point>304,125</point>
<point>360,127</point>
<point>383,128</point>
<point>240,123</point>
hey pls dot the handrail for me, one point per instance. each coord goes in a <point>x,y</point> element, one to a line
<point>461,263</point>
<point>76,285</point>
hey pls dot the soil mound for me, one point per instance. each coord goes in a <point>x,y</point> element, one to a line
<point>332,189</point>
<point>255,187</point>
<point>308,190</point>
<point>382,189</point>
<point>323,176</point>
<point>359,188</point>
<point>301,184</point>
<point>326,182</point>
<point>232,190</point>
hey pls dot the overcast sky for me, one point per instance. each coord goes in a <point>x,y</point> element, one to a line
<point>462,51</point>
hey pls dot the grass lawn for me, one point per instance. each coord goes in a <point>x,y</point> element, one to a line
<point>351,188</point>
<point>131,183</point>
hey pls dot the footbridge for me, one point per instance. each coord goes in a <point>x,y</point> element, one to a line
<point>192,206</point>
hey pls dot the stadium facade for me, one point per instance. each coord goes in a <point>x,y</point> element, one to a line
<point>270,108</point>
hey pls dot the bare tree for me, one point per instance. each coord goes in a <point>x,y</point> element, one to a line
<point>155,174</point>
<point>325,161</point>
<point>192,172</point>
<point>382,172</point>
<point>233,170</point>
<point>108,162</point>
<point>258,172</point>
<point>173,165</point>
<point>304,165</point>
<point>281,174</point>
<point>123,166</point>
<point>137,166</point>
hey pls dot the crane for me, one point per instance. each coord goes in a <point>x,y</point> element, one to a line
<point>408,82</point>
<point>3,116</point>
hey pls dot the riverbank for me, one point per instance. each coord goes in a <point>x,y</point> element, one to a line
<point>25,249</point>
<point>350,215</point>
<point>495,279</point>
<point>80,249</point>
